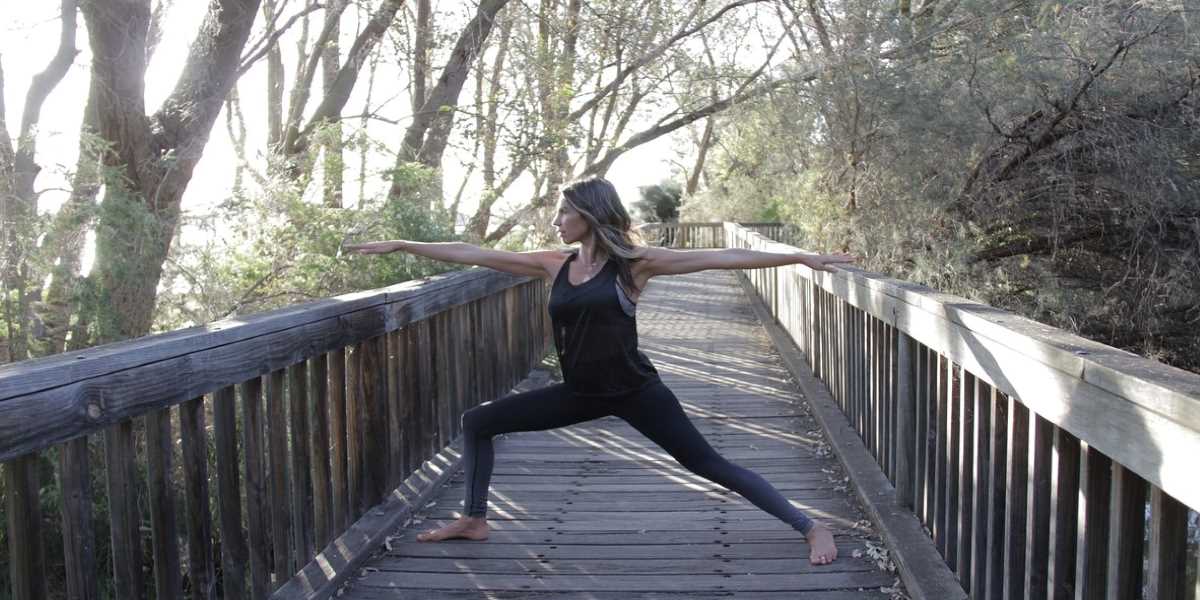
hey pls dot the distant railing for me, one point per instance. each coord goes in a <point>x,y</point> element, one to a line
<point>1043,465</point>
<point>318,412</point>
<point>709,235</point>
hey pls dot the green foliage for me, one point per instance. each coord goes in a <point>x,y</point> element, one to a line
<point>659,203</point>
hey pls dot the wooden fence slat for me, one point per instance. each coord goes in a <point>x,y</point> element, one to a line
<point>1126,534</point>
<point>906,414</point>
<point>324,529</point>
<point>410,390</point>
<point>982,475</point>
<point>27,561</point>
<point>277,462</point>
<point>966,478</point>
<point>921,466</point>
<point>201,568</point>
<point>374,447</point>
<point>120,475</point>
<point>163,530</point>
<point>1064,511</point>
<point>1037,531</point>
<point>1091,546</point>
<point>257,519</point>
<point>395,428</point>
<point>1015,508</point>
<point>997,476</point>
<point>952,405</point>
<point>234,554</point>
<point>1168,547</point>
<point>339,486</point>
<point>354,432</point>
<point>303,544</point>
<point>79,535</point>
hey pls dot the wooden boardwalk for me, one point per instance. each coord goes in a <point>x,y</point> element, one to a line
<point>596,511</point>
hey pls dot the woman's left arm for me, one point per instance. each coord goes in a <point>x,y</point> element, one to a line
<point>665,261</point>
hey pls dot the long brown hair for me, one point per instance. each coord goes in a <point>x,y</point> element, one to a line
<point>597,201</point>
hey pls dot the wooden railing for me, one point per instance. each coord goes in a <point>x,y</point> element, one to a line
<point>709,235</point>
<point>1043,465</point>
<point>318,411</point>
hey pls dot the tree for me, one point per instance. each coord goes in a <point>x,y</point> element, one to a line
<point>659,203</point>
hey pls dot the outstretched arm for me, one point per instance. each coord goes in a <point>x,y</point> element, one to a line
<point>539,263</point>
<point>664,261</point>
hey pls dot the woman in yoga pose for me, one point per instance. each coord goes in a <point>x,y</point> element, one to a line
<point>592,308</point>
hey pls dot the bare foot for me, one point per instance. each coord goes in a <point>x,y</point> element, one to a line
<point>820,539</point>
<point>469,528</point>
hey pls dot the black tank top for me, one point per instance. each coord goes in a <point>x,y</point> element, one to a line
<point>595,337</point>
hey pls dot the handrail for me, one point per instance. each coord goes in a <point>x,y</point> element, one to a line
<point>962,403</point>
<point>319,409</point>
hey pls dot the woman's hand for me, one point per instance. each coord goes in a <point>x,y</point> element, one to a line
<point>374,247</point>
<point>822,262</point>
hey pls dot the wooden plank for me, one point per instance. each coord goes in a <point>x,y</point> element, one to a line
<point>395,443</point>
<point>234,553</point>
<point>966,471</point>
<point>323,528</point>
<point>981,472</point>
<point>952,425</point>
<point>906,414</point>
<point>374,398</point>
<point>388,594</point>
<point>355,423</point>
<point>303,544</point>
<point>1167,548</point>
<point>1015,506</point>
<point>1095,473</point>
<point>339,487</point>
<point>277,462</point>
<point>79,536</point>
<point>26,550</point>
<point>664,565</point>
<point>65,396</point>
<point>644,583</point>
<point>257,516</point>
<point>1064,511</point>
<point>997,494</point>
<point>201,567</point>
<point>160,448</point>
<point>124,517</point>
<point>1037,532</point>
<point>1126,534</point>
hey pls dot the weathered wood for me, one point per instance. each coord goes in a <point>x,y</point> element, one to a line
<point>922,442</point>
<point>981,472</point>
<point>374,445</point>
<point>201,566</point>
<point>1101,387</point>
<point>1064,510</point>
<point>1167,548</point>
<point>27,561</point>
<point>1016,509</point>
<point>1037,532</point>
<point>355,427</point>
<point>966,479</point>
<point>997,495</point>
<point>1095,473</point>
<point>950,423</point>
<point>301,508</point>
<point>323,526</point>
<point>338,425</point>
<point>257,515</point>
<point>1126,534</point>
<point>79,536</point>
<point>124,518</point>
<point>234,553</point>
<point>277,461</point>
<point>49,401</point>
<point>395,443</point>
<point>160,448</point>
<point>906,416</point>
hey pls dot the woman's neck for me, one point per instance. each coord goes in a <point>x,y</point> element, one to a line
<point>588,253</point>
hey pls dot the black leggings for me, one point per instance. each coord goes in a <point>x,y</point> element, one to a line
<point>653,411</point>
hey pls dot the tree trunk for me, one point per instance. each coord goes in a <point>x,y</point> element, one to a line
<point>333,164</point>
<point>150,159</point>
<point>420,69</point>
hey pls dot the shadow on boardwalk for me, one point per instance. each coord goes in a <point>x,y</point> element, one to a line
<point>596,511</point>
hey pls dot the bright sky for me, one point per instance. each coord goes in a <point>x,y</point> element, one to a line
<point>28,40</point>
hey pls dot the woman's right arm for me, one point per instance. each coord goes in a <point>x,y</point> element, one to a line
<point>538,263</point>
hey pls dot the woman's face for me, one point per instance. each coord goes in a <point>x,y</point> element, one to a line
<point>570,224</point>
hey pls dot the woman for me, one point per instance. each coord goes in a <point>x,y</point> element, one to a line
<point>592,308</point>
